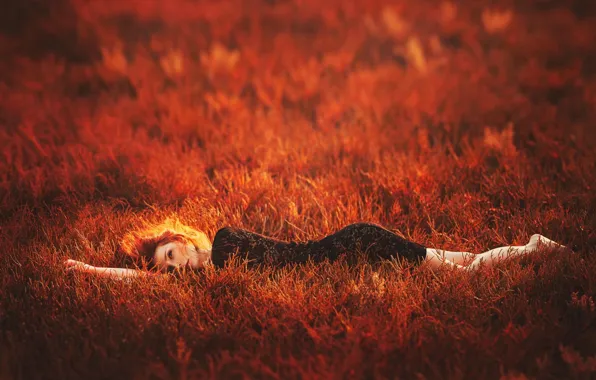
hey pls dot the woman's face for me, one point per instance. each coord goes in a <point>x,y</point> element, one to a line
<point>178,254</point>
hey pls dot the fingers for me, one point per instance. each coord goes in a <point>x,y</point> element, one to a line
<point>74,265</point>
<point>70,263</point>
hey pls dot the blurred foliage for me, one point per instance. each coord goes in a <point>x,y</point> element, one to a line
<point>460,124</point>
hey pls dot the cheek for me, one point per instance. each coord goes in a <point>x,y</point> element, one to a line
<point>180,259</point>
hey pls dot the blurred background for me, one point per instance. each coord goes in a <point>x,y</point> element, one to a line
<point>145,100</point>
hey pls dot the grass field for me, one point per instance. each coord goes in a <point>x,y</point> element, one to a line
<point>461,125</point>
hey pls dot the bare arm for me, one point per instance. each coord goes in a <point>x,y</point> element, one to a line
<point>115,273</point>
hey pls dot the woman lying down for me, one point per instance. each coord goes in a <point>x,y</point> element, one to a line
<point>169,247</point>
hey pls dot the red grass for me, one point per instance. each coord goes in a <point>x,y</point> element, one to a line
<point>294,119</point>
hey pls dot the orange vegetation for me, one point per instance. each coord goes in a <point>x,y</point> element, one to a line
<point>461,125</point>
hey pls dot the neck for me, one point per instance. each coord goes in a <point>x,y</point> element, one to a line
<point>204,257</point>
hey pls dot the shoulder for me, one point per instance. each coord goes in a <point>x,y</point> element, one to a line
<point>226,232</point>
<point>227,242</point>
<point>238,237</point>
<point>230,236</point>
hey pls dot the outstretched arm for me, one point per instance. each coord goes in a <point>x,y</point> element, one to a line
<point>115,273</point>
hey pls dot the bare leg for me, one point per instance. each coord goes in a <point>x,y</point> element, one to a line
<point>466,260</point>
<point>489,258</point>
<point>459,258</point>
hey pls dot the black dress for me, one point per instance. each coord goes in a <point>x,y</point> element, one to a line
<point>374,241</point>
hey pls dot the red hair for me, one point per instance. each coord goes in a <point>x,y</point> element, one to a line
<point>138,246</point>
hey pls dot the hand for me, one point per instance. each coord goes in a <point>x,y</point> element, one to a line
<point>78,266</point>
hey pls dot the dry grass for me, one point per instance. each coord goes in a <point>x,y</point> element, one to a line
<point>460,126</point>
